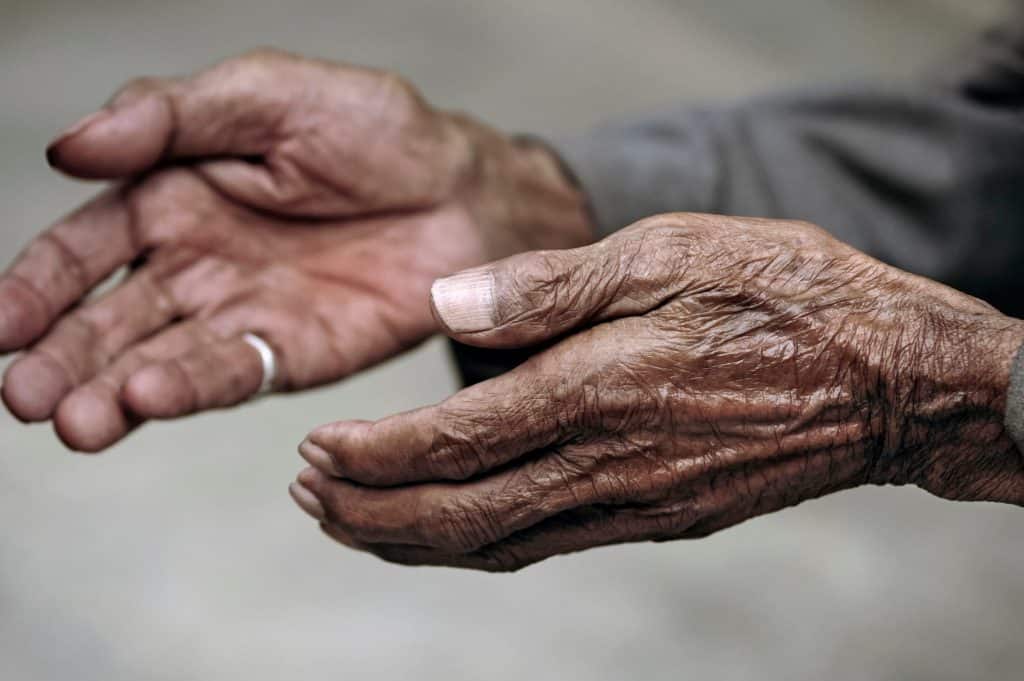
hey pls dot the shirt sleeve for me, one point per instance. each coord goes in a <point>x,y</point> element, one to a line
<point>1015,402</point>
<point>991,74</point>
<point>928,177</point>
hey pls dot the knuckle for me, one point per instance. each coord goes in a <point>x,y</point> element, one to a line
<point>397,89</point>
<point>542,290</point>
<point>393,95</point>
<point>252,70</point>
<point>347,516</point>
<point>141,84</point>
<point>350,462</point>
<point>577,406</point>
<point>359,524</point>
<point>346,462</point>
<point>651,248</point>
<point>363,469</point>
<point>458,450</point>
<point>134,88</point>
<point>394,82</point>
<point>805,226</point>
<point>535,292</point>
<point>449,461</point>
<point>461,524</point>
<point>666,222</point>
<point>671,228</point>
<point>351,451</point>
<point>263,55</point>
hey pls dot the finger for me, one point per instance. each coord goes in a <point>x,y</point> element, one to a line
<point>690,509</point>
<point>233,108</point>
<point>94,416</point>
<point>569,532</point>
<point>273,189</point>
<point>456,517</point>
<point>533,297</point>
<point>463,517</point>
<point>220,373</point>
<point>474,431</point>
<point>710,504</point>
<point>62,265</point>
<point>84,342</point>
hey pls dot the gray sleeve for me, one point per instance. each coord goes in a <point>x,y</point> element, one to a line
<point>1015,402</point>
<point>929,178</point>
<point>924,179</point>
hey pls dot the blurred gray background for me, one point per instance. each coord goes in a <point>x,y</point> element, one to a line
<point>178,555</point>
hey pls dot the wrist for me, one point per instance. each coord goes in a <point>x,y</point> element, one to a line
<point>950,436</point>
<point>520,194</point>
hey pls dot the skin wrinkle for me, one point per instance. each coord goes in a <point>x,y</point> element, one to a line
<point>611,478</point>
<point>459,529</point>
<point>460,448</point>
<point>105,349</point>
<point>69,259</point>
<point>69,372</point>
<point>246,191</point>
<point>171,141</point>
<point>28,286</point>
<point>684,519</point>
<point>90,337</point>
<point>764,379</point>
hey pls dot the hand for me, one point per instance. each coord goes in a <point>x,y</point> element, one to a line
<point>718,369</point>
<point>310,203</point>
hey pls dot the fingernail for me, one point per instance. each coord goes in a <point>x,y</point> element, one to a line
<point>52,151</point>
<point>80,126</point>
<point>307,501</point>
<point>465,301</point>
<point>318,457</point>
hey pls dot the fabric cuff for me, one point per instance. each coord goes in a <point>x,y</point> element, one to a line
<point>1015,401</point>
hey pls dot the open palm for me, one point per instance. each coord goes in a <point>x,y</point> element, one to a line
<point>308,203</point>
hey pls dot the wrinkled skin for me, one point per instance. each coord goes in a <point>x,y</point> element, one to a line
<point>710,370</point>
<point>310,203</point>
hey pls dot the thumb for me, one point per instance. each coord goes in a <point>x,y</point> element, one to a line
<point>533,297</point>
<point>230,109</point>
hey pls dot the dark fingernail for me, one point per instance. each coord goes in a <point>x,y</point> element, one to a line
<point>52,153</point>
<point>307,501</point>
<point>318,457</point>
<point>80,126</point>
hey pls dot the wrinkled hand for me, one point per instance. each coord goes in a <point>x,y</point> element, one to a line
<point>719,369</point>
<point>310,203</point>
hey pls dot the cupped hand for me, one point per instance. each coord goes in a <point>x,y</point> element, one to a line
<point>710,370</point>
<point>307,202</point>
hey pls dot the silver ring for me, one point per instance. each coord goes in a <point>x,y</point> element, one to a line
<point>267,357</point>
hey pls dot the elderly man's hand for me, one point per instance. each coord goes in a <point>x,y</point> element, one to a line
<point>718,369</point>
<point>309,203</point>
